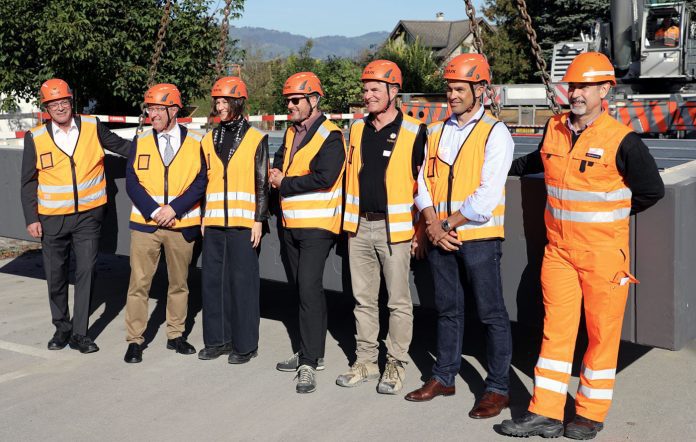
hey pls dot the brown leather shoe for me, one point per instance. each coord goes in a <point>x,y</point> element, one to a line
<point>432,388</point>
<point>490,404</point>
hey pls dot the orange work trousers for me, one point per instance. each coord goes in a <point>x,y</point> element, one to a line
<point>570,279</point>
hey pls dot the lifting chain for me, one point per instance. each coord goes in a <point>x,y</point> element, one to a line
<point>478,45</point>
<point>540,62</point>
<point>224,36</point>
<point>159,45</point>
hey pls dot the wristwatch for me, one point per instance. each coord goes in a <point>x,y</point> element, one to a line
<point>446,225</point>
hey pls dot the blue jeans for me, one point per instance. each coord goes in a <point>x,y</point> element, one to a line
<point>473,270</point>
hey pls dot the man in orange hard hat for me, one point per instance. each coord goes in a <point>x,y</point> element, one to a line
<point>385,154</point>
<point>597,173</point>
<point>165,180</point>
<point>461,195</point>
<point>308,173</point>
<point>64,201</point>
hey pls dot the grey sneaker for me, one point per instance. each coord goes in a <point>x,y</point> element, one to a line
<point>306,379</point>
<point>293,362</point>
<point>359,372</point>
<point>393,377</point>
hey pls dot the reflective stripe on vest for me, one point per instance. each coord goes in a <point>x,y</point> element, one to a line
<point>70,184</point>
<point>319,209</point>
<point>165,183</point>
<point>235,204</point>
<point>450,186</point>
<point>588,204</point>
<point>400,186</point>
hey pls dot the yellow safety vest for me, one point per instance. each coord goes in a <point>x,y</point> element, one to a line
<point>398,181</point>
<point>231,192</point>
<point>165,183</point>
<point>70,184</point>
<point>320,209</point>
<point>450,186</point>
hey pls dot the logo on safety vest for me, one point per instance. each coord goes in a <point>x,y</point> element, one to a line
<point>595,152</point>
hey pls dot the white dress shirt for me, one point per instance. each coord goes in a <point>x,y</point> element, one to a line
<point>66,141</point>
<point>480,204</point>
<point>175,141</point>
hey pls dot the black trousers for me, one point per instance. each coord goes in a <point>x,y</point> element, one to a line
<point>306,251</point>
<point>79,232</point>
<point>230,289</point>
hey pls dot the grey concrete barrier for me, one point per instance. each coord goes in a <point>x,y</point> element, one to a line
<point>661,310</point>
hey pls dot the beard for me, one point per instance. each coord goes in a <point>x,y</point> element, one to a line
<point>578,108</point>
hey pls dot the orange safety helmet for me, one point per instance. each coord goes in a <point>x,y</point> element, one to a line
<point>590,67</point>
<point>229,87</point>
<point>165,94</point>
<point>382,70</point>
<point>54,89</point>
<point>468,67</point>
<point>302,83</point>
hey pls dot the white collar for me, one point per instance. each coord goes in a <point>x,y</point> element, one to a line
<point>57,129</point>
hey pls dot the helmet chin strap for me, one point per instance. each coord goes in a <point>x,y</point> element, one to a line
<point>311,109</point>
<point>473,102</point>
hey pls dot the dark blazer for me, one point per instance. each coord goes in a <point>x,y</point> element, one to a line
<point>324,169</point>
<point>181,204</point>
<point>52,224</point>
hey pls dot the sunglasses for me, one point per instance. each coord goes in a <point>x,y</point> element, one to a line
<point>295,101</point>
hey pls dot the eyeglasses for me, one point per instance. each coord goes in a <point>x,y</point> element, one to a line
<point>295,101</point>
<point>58,104</point>
<point>156,109</point>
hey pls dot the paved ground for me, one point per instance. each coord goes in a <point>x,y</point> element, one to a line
<point>63,395</point>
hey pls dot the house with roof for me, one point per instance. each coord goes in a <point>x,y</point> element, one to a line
<point>445,38</point>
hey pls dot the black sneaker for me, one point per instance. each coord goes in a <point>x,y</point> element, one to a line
<point>582,428</point>
<point>531,424</point>
<point>214,352</point>
<point>83,343</point>
<point>237,358</point>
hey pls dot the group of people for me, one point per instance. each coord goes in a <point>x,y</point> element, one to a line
<point>398,188</point>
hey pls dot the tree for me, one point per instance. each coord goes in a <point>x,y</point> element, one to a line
<point>102,48</point>
<point>417,63</point>
<point>340,78</point>
<point>509,50</point>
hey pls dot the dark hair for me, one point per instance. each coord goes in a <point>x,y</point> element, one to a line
<point>236,106</point>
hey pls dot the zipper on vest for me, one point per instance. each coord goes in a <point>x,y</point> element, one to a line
<point>166,185</point>
<point>450,180</point>
<point>224,183</point>
<point>74,181</point>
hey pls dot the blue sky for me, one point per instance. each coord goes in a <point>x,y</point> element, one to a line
<point>313,18</point>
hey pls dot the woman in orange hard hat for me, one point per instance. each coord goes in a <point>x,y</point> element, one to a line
<point>235,210</point>
<point>597,173</point>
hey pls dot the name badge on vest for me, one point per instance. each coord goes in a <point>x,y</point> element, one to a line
<point>46,160</point>
<point>386,153</point>
<point>143,162</point>
<point>595,152</point>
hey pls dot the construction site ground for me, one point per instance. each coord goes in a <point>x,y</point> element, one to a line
<point>67,396</point>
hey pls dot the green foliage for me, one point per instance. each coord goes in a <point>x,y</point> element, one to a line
<point>418,67</point>
<point>553,20</point>
<point>340,78</point>
<point>102,48</point>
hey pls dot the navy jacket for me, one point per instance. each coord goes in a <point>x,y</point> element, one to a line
<point>182,204</point>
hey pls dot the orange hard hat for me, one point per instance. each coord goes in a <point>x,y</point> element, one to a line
<point>468,67</point>
<point>303,83</point>
<point>165,94</point>
<point>54,89</point>
<point>230,87</point>
<point>382,70</point>
<point>590,67</point>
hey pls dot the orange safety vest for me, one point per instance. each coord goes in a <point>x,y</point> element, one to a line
<point>588,203</point>
<point>320,209</point>
<point>671,36</point>
<point>165,183</point>
<point>231,192</point>
<point>398,181</point>
<point>70,184</point>
<point>450,186</point>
